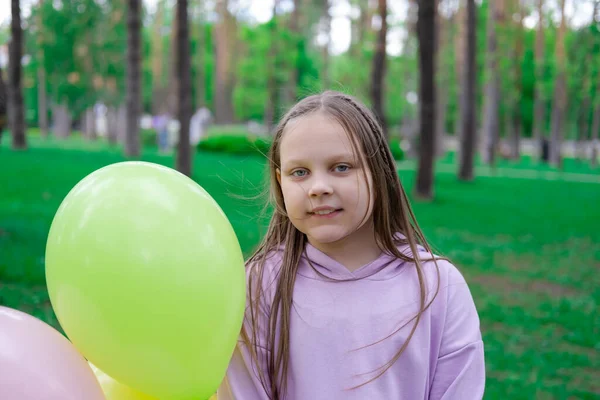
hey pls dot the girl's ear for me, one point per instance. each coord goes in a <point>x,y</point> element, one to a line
<point>278,173</point>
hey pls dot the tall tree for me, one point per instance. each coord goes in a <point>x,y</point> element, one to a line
<point>201,76</point>
<point>539,117</point>
<point>514,120</point>
<point>326,31</point>
<point>15,92</point>
<point>134,78</point>
<point>184,106</point>
<point>358,73</point>
<point>379,67</point>
<point>491,125</point>
<point>426,28</point>
<point>272,87</point>
<point>468,137</point>
<point>591,42</point>
<point>157,61</point>
<point>442,75</point>
<point>224,39</point>
<point>583,110</point>
<point>595,130</point>
<point>41,75</point>
<point>460,45</point>
<point>560,92</point>
<point>3,105</point>
<point>294,27</point>
<point>173,77</point>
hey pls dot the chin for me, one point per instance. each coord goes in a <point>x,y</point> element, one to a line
<point>326,236</point>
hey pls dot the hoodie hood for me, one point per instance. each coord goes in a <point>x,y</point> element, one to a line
<point>317,265</point>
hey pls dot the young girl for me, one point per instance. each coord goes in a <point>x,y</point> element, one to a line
<point>345,298</point>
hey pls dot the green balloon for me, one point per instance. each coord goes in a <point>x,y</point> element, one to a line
<point>146,277</point>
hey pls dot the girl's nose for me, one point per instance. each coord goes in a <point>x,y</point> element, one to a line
<point>319,187</point>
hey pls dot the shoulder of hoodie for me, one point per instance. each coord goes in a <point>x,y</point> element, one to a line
<point>271,269</point>
<point>449,274</point>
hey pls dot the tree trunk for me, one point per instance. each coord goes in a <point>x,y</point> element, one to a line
<point>16,117</point>
<point>560,93</point>
<point>89,124</point>
<point>366,17</point>
<point>460,43</point>
<point>326,27</point>
<point>172,88</point>
<point>539,117</point>
<point>112,130</point>
<point>184,108</point>
<point>134,78</point>
<point>3,105</point>
<point>410,119</point>
<point>159,105</point>
<point>42,102</point>
<point>584,127</point>
<point>426,28</point>
<point>269,117</point>
<point>515,120</point>
<point>595,130</point>
<point>441,112</point>
<point>41,75</point>
<point>379,68</point>
<point>201,77</point>
<point>442,72</point>
<point>62,121</point>
<point>223,50</point>
<point>121,123</point>
<point>468,137</point>
<point>366,36</point>
<point>291,86</point>
<point>490,129</point>
<point>582,120</point>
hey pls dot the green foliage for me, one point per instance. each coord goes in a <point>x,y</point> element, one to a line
<point>236,144</point>
<point>250,94</point>
<point>82,46</point>
<point>251,144</point>
<point>396,150</point>
<point>205,47</point>
<point>148,138</point>
<point>257,61</point>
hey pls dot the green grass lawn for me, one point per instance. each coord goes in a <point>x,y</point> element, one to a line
<point>530,250</point>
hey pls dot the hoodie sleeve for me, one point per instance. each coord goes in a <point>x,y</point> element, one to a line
<point>242,380</point>
<point>460,368</point>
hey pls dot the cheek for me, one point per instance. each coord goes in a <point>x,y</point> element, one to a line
<point>360,191</point>
<point>292,196</point>
<point>366,197</point>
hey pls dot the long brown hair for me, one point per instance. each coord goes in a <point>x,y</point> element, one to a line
<point>392,214</point>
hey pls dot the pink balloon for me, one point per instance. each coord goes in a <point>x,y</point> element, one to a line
<point>37,362</point>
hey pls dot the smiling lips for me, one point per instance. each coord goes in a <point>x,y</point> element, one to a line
<point>325,212</point>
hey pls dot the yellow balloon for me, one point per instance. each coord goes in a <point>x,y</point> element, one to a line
<point>114,390</point>
<point>146,277</point>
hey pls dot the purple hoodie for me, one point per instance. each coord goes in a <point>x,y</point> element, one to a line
<point>332,322</point>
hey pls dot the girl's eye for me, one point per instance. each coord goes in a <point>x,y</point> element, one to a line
<point>299,173</point>
<point>342,168</point>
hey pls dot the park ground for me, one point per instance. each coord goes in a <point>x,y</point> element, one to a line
<point>526,237</point>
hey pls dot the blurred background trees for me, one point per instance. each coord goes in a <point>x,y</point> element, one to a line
<point>534,88</point>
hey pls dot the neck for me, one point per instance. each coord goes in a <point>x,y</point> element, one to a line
<point>353,251</point>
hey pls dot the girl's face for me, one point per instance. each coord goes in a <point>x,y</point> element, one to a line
<point>323,182</point>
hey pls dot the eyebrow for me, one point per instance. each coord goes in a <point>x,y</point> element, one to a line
<point>333,159</point>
